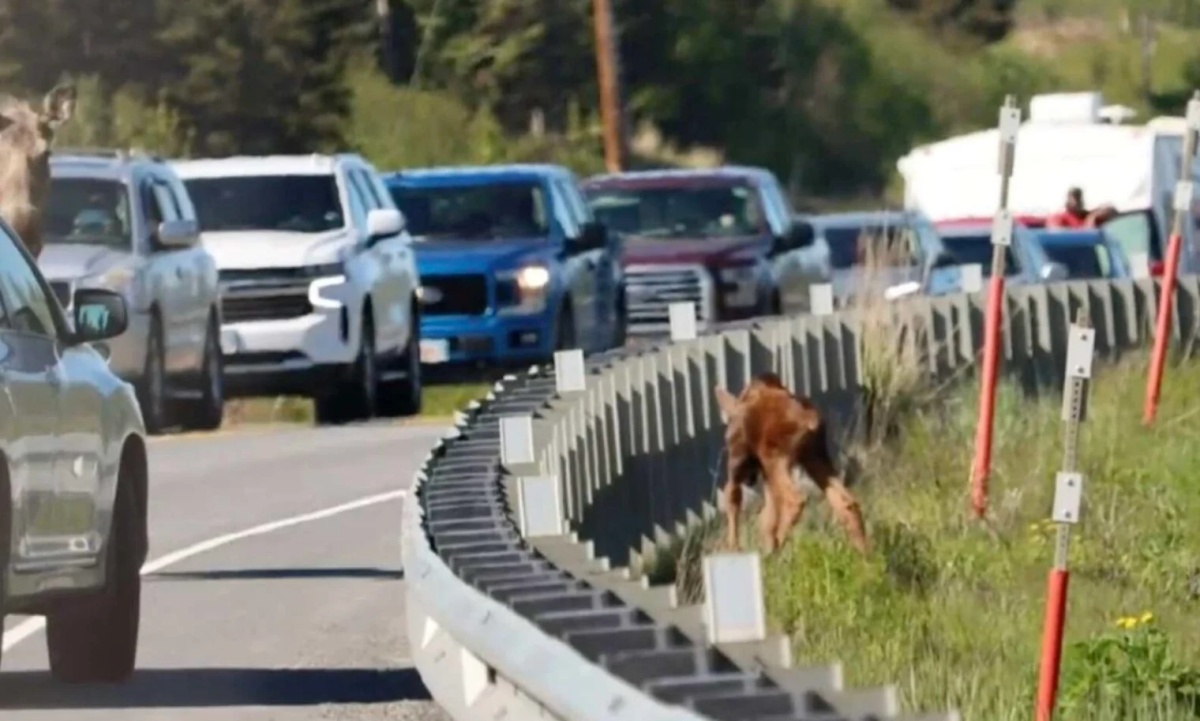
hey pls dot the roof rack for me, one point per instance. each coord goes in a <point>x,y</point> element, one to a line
<point>114,153</point>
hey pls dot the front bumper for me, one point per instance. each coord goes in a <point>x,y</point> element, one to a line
<point>486,338</point>
<point>289,356</point>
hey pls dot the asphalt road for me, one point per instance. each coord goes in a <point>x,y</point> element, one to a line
<point>296,622</point>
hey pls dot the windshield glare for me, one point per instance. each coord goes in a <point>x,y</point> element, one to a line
<point>293,203</point>
<point>976,249</point>
<point>854,246</point>
<point>88,210</point>
<point>723,211</point>
<point>475,212</point>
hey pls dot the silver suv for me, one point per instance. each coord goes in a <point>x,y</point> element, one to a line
<point>125,222</point>
<point>73,476</point>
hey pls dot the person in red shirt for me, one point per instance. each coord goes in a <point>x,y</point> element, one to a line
<point>1076,214</point>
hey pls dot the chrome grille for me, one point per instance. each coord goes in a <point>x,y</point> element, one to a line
<point>651,289</point>
<point>275,296</point>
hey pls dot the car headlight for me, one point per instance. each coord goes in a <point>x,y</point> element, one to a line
<point>325,270</point>
<point>115,279</point>
<point>903,289</point>
<point>523,290</point>
<point>739,285</point>
<point>533,277</point>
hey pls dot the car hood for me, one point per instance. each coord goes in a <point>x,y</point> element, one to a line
<point>477,256</point>
<point>641,250</point>
<point>245,249</point>
<point>68,261</point>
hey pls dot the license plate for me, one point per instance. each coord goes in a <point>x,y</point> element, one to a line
<point>435,351</point>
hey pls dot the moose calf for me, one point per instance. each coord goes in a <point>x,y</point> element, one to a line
<point>769,432</point>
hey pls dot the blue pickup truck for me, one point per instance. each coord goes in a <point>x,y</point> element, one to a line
<point>513,265</point>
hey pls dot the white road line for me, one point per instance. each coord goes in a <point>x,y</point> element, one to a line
<point>31,626</point>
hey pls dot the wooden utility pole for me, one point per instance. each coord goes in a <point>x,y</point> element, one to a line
<point>610,91</point>
<point>387,38</point>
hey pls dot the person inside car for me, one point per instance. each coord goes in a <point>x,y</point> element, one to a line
<point>1076,214</point>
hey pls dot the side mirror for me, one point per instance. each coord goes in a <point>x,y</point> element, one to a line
<point>99,315</point>
<point>594,236</point>
<point>1054,271</point>
<point>178,233</point>
<point>800,235</point>
<point>382,222</point>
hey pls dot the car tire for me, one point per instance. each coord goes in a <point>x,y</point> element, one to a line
<point>403,398</point>
<point>5,539</point>
<point>356,399</point>
<point>621,333</point>
<point>565,333</point>
<point>151,388</point>
<point>206,413</point>
<point>95,640</point>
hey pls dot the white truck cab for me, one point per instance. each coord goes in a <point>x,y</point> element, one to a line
<point>319,281</point>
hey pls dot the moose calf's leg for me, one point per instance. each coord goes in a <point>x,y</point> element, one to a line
<point>768,518</point>
<point>733,508</point>
<point>791,508</point>
<point>845,507</point>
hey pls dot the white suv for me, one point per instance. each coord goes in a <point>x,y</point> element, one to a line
<point>319,281</point>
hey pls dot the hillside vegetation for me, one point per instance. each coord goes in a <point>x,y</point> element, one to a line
<point>828,93</point>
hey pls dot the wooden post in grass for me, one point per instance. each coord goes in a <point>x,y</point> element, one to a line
<point>1002,231</point>
<point>1068,497</point>
<point>1183,208</point>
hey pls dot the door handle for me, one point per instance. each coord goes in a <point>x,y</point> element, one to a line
<point>179,273</point>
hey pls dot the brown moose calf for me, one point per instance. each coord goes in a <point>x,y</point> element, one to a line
<point>769,432</point>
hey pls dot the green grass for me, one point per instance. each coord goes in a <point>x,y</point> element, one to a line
<point>951,612</point>
<point>439,402</point>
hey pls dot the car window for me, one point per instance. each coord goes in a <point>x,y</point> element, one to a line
<point>368,190</point>
<point>151,209</point>
<point>358,204</point>
<point>891,246</point>
<point>26,299</point>
<point>575,205</point>
<point>976,249</point>
<point>479,210</point>
<point>1135,234</point>
<point>288,203</point>
<point>166,201</point>
<point>775,205</point>
<point>93,211</point>
<point>683,212</point>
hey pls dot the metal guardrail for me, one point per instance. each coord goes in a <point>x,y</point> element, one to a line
<point>521,528</point>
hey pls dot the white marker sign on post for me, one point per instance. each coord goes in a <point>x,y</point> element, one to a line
<point>683,321</point>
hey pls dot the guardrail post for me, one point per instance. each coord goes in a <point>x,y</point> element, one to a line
<point>971,278</point>
<point>475,677</point>
<point>820,299</point>
<point>570,372</point>
<point>734,611</point>
<point>516,440</point>
<point>1002,231</point>
<point>1068,496</point>
<point>683,321</point>
<point>539,506</point>
<point>1184,190</point>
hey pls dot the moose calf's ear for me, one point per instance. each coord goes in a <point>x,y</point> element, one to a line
<point>726,402</point>
<point>59,104</point>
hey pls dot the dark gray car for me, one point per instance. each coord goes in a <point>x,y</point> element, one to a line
<point>918,255</point>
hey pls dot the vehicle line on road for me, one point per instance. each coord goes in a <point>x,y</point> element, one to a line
<point>32,626</point>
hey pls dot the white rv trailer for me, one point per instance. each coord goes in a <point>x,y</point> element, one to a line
<point>1066,142</point>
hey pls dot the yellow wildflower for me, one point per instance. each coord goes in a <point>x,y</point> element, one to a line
<point>1146,617</point>
<point>1126,622</point>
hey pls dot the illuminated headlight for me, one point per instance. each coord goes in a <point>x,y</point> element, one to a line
<point>739,286</point>
<point>902,290</point>
<point>327,280</point>
<point>523,290</point>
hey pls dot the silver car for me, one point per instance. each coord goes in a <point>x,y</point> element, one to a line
<point>125,222</point>
<point>73,475</point>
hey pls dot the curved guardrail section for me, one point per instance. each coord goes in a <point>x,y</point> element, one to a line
<point>523,524</point>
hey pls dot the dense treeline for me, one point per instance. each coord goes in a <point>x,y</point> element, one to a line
<point>825,92</point>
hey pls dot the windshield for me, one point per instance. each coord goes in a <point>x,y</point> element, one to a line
<point>853,246</point>
<point>722,211</point>
<point>476,212</point>
<point>976,249</point>
<point>293,203</point>
<point>88,210</point>
<point>1081,260</point>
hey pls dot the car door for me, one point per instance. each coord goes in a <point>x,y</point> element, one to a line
<point>598,263</point>
<point>403,262</point>
<point>787,263</point>
<point>33,379</point>
<point>390,309</point>
<point>579,269</point>
<point>197,271</point>
<point>165,276</point>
